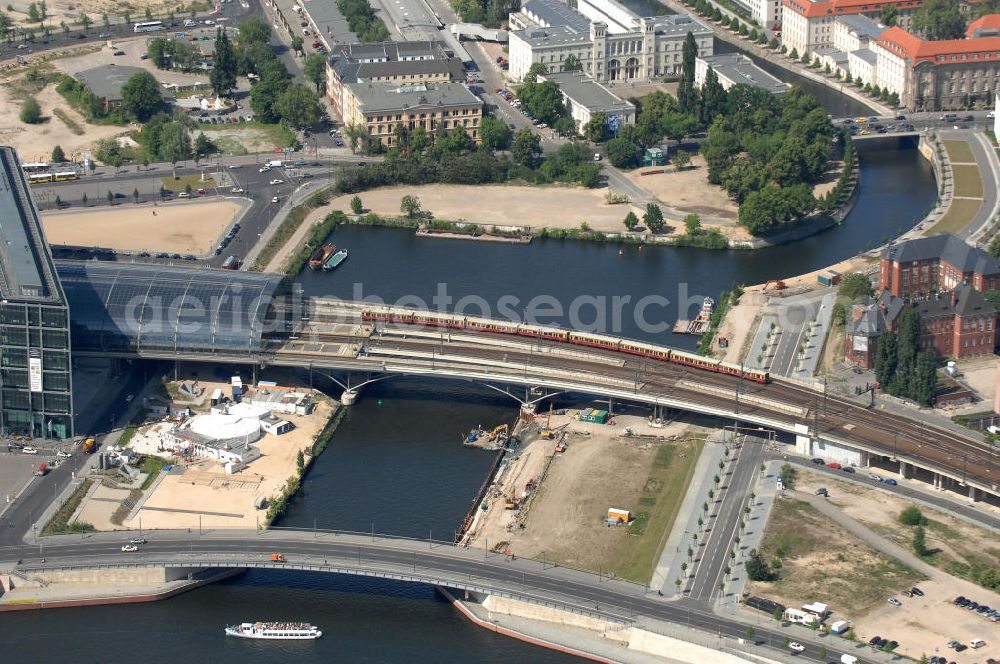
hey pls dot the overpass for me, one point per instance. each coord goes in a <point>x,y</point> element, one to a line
<point>400,559</point>
<point>131,311</point>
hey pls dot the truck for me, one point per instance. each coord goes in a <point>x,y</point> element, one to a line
<point>275,163</point>
<point>42,469</point>
<point>89,444</point>
<point>277,557</point>
<point>848,659</point>
<point>231,263</point>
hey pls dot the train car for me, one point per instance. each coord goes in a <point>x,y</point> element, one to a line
<point>693,360</point>
<point>757,375</point>
<point>34,167</point>
<point>539,331</point>
<point>438,320</point>
<point>595,340</point>
<point>63,176</point>
<point>646,350</point>
<point>491,325</point>
<point>39,178</point>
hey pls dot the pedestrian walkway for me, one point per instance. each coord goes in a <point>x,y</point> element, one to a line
<point>675,550</point>
<point>815,338</point>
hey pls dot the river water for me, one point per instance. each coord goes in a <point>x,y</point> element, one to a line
<point>396,463</point>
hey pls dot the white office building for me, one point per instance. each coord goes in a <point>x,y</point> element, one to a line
<point>584,97</point>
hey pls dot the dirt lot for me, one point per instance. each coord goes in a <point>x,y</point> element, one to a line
<point>922,624</point>
<point>564,519</point>
<point>822,562</point>
<point>738,327</point>
<point>981,375</point>
<point>205,495</point>
<point>69,10</point>
<point>689,191</point>
<point>183,227</point>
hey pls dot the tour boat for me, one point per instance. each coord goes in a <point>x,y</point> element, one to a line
<point>274,630</point>
<point>320,256</point>
<point>335,260</point>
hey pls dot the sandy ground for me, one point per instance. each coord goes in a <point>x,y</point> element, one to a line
<point>214,499</point>
<point>35,142</point>
<point>100,506</point>
<point>855,264</point>
<point>688,191</point>
<point>563,520</point>
<point>69,10</point>
<point>184,227</point>
<point>981,375</point>
<point>133,46</point>
<point>551,206</point>
<point>738,327</point>
<point>925,623</point>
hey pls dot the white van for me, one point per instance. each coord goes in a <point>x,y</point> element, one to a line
<point>976,643</point>
<point>848,659</point>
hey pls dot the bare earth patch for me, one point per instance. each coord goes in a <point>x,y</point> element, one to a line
<point>738,326</point>
<point>184,228</point>
<point>688,191</point>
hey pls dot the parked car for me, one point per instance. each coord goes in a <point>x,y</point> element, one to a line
<point>890,481</point>
<point>795,646</point>
<point>236,190</point>
<point>848,469</point>
<point>277,181</point>
<point>29,450</point>
<point>819,462</point>
<point>917,591</point>
<point>834,465</point>
<point>137,540</point>
<point>130,548</point>
<point>183,194</point>
<point>894,601</point>
<point>822,491</point>
<point>275,199</point>
<point>63,454</point>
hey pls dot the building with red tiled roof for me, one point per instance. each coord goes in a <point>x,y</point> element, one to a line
<point>984,26</point>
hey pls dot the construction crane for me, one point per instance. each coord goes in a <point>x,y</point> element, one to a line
<point>547,433</point>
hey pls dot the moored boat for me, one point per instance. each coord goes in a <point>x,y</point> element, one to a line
<point>335,260</point>
<point>324,253</point>
<point>274,631</point>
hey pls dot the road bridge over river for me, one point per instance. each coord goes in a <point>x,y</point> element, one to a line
<point>330,337</point>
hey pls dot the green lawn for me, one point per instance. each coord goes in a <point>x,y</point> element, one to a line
<point>662,495</point>
<point>958,217</point>
<point>279,134</point>
<point>968,182</point>
<point>959,151</point>
<point>180,184</point>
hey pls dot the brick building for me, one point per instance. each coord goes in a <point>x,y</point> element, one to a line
<point>919,268</point>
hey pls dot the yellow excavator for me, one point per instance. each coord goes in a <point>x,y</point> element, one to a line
<point>503,429</point>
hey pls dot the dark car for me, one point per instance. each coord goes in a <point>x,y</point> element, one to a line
<point>900,117</point>
<point>162,254</point>
<point>968,118</point>
<point>818,461</point>
<point>874,641</point>
<point>847,469</point>
<point>917,591</point>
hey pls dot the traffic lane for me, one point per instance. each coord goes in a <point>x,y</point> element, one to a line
<point>601,595</point>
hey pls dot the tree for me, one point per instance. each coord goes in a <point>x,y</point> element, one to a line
<point>314,69</point>
<point>653,218</point>
<point>410,205</point>
<point>778,615</point>
<point>85,21</point>
<point>300,462</point>
<point>84,199</point>
<point>298,106</point>
<point>686,95</point>
<point>531,76</point>
<point>494,134</point>
<point>356,206</point>
<point>631,221</point>
<point>692,224</point>
<point>33,14</point>
<point>886,359</point>
<point>31,112</point>
<point>757,568</point>
<point>175,144</point>
<point>939,19</point>
<point>254,30</point>
<point>622,153</point>
<point>713,97</point>
<point>912,516</point>
<point>794,55</point>
<point>223,74</point>
<point>203,145</point>
<point>920,541</point>
<point>572,63</point>
<point>141,95</point>
<point>924,384</point>
<point>787,475</point>
<point>889,15</point>
<point>135,194</point>
<point>58,156</point>
<point>596,130</point>
<point>297,45</point>
<point>855,285</point>
<point>526,147</point>
<point>681,160</point>
<point>111,198</point>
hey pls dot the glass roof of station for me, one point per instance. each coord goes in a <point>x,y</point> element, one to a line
<point>156,309</point>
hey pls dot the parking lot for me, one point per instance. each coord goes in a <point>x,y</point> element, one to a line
<point>15,473</point>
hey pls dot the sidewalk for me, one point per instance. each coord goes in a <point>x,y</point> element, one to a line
<point>675,550</point>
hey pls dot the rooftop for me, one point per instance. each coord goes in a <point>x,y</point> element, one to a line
<point>679,24</point>
<point>106,81</point>
<point>984,26</point>
<point>554,13</point>
<point>586,92</point>
<point>865,54</point>
<point>963,301</point>
<point>834,54</point>
<point>373,97</point>
<point>738,69</point>
<point>329,20</point>
<point>947,247</point>
<point>913,48</point>
<point>26,269</point>
<point>816,9</point>
<point>862,26</point>
<point>554,36</point>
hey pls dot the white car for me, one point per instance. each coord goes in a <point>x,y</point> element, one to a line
<point>130,548</point>
<point>236,190</point>
<point>277,181</point>
<point>29,450</point>
<point>275,199</point>
<point>894,601</point>
<point>264,169</point>
<point>795,646</point>
<point>137,540</point>
<point>183,194</point>
<point>63,454</point>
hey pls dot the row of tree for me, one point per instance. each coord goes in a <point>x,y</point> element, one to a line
<point>363,20</point>
<point>490,13</point>
<point>902,368</point>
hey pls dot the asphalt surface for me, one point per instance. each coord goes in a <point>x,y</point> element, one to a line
<point>413,559</point>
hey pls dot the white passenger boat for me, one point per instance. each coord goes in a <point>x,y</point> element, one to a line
<point>274,630</point>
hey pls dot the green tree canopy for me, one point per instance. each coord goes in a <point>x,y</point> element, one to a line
<point>939,19</point>
<point>622,153</point>
<point>631,221</point>
<point>889,15</point>
<point>572,63</point>
<point>58,156</point>
<point>526,147</point>
<point>494,134</point>
<point>854,285</point>
<point>653,218</point>
<point>223,74</point>
<point>141,95</point>
<point>254,30</point>
<point>31,112</point>
<point>298,106</point>
<point>315,70</point>
<point>596,129</point>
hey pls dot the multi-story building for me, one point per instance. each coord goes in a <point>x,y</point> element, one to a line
<point>36,397</point>
<point>807,26</point>
<point>382,106</point>
<point>620,46</point>
<point>106,82</point>
<point>932,75</point>
<point>923,267</point>
<point>736,69</point>
<point>405,63</point>
<point>584,97</point>
<point>766,12</point>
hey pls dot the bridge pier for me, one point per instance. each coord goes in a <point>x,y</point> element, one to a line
<point>349,397</point>
<point>803,441</point>
<point>973,494</point>
<point>905,470</point>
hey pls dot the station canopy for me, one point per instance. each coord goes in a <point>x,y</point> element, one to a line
<point>158,311</point>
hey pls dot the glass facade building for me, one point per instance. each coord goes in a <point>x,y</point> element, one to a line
<point>36,396</point>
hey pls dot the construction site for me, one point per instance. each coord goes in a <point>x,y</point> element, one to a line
<point>583,488</point>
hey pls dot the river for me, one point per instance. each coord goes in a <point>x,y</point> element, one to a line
<point>396,463</point>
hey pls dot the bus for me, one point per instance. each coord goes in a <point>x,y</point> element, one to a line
<point>62,176</point>
<point>148,26</point>
<point>35,167</point>
<point>36,178</point>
